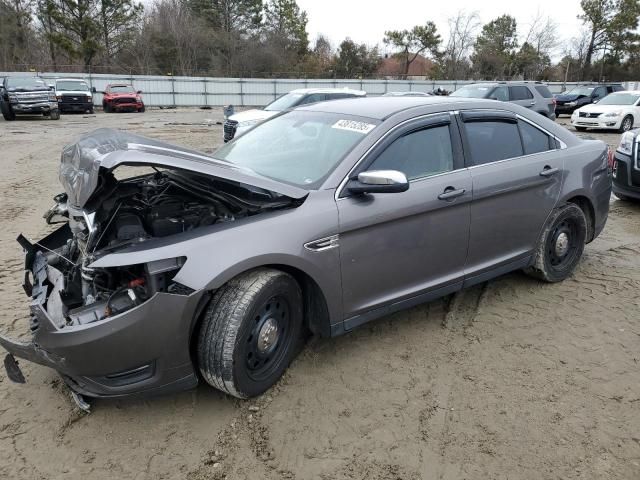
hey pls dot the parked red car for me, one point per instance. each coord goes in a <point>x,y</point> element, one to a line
<point>119,97</point>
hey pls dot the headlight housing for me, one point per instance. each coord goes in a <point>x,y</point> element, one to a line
<point>617,113</point>
<point>13,99</point>
<point>247,123</point>
<point>52,97</point>
<point>626,143</point>
<point>571,104</point>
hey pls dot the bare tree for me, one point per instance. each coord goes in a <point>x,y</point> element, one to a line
<point>463,29</point>
<point>543,35</point>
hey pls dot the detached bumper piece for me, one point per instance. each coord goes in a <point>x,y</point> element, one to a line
<point>13,370</point>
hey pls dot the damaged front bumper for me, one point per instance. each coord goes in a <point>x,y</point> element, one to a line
<point>144,350</point>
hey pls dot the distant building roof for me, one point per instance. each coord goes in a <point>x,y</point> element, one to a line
<point>393,66</point>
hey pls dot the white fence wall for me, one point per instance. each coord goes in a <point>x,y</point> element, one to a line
<point>162,91</point>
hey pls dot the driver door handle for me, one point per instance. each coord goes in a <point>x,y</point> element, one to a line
<point>450,193</point>
<point>548,172</point>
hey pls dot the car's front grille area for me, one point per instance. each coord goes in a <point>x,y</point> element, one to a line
<point>124,100</point>
<point>230,127</point>
<point>71,99</point>
<point>33,97</point>
<point>589,115</point>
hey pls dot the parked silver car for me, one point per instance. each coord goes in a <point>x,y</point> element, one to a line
<point>318,220</point>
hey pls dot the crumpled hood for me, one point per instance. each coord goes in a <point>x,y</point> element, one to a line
<point>107,148</point>
<point>252,115</point>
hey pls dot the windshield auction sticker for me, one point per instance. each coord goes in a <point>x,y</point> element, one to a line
<point>354,126</point>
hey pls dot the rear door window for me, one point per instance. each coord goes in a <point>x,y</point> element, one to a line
<point>534,140</point>
<point>490,141</point>
<point>519,93</point>
<point>313,98</point>
<point>544,91</point>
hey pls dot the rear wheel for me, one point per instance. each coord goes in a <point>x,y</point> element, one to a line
<point>627,124</point>
<point>250,333</point>
<point>561,244</point>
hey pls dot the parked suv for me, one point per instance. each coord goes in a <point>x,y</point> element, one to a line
<point>626,167</point>
<point>27,96</point>
<point>533,95</point>
<point>239,123</point>
<point>73,95</point>
<point>121,97</point>
<point>568,102</point>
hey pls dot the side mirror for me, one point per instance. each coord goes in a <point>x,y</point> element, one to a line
<point>379,181</point>
<point>93,90</point>
<point>51,86</point>
<point>139,92</point>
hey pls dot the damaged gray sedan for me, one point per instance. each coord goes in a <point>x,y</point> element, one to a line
<point>316,221</point>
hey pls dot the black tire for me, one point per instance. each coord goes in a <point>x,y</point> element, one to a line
<point>91,110</point>
<point>106,108</point>
<point>627,124</point>
<point>54,114</point>
<point>230,357</point>
<point>581,129</point>
<point>624,198</point>
<point>553,263</point>
<point>9,115</point>
<point>141,109</point>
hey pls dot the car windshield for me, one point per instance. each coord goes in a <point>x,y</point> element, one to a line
<point>121,89</point>
<point>25,82</point>
<point>72,85</point>
<point>586,91</point>
<point>284,102</point>
<point>620,99</point>
<point>298,147</point>
<point>473,91</point>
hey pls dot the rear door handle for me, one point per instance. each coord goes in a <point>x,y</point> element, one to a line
<point>450,193</point>
<point>548,172</point>
<point>532,104</point>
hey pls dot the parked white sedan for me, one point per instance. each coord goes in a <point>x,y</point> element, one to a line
<point>618,111</point>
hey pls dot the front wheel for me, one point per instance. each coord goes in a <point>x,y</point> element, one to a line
<point>141,109</point>
<point>250,333</point>
<point>54,114</point>
<point>561,244</point>
<point>581,129</point>
<point>627,124</point>
<point>9,115</point>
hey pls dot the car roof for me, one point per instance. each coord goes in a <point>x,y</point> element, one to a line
<point>71,80</point>
<point>307,91</point>
<point>119,85</point>
<point>380,108</point>
<point>634,92</point>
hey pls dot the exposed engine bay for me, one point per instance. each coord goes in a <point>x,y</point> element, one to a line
<point>122,213</point>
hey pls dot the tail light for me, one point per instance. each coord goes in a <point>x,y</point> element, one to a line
<point>610,159</point>
<point>553,99</point>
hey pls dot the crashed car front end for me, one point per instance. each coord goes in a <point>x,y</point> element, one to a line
<point>114,329</point>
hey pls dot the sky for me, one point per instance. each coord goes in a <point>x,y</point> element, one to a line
<point>365,21</point>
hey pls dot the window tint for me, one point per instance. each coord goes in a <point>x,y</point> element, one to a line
<point>418,154</point>
<point>544,91</point>
<point>337,96</point>
<point>493,141</point>
<point>500,93</point>
<point>520,93</point>
<point>599,92</point>
<point>534,140</point>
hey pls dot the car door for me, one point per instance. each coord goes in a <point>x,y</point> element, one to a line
<point>516,171</point>
<point>521,95</point>
<point>599,93</point>
<point>399,246</point>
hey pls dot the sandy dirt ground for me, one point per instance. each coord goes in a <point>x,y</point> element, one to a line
<point>513,379</point>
